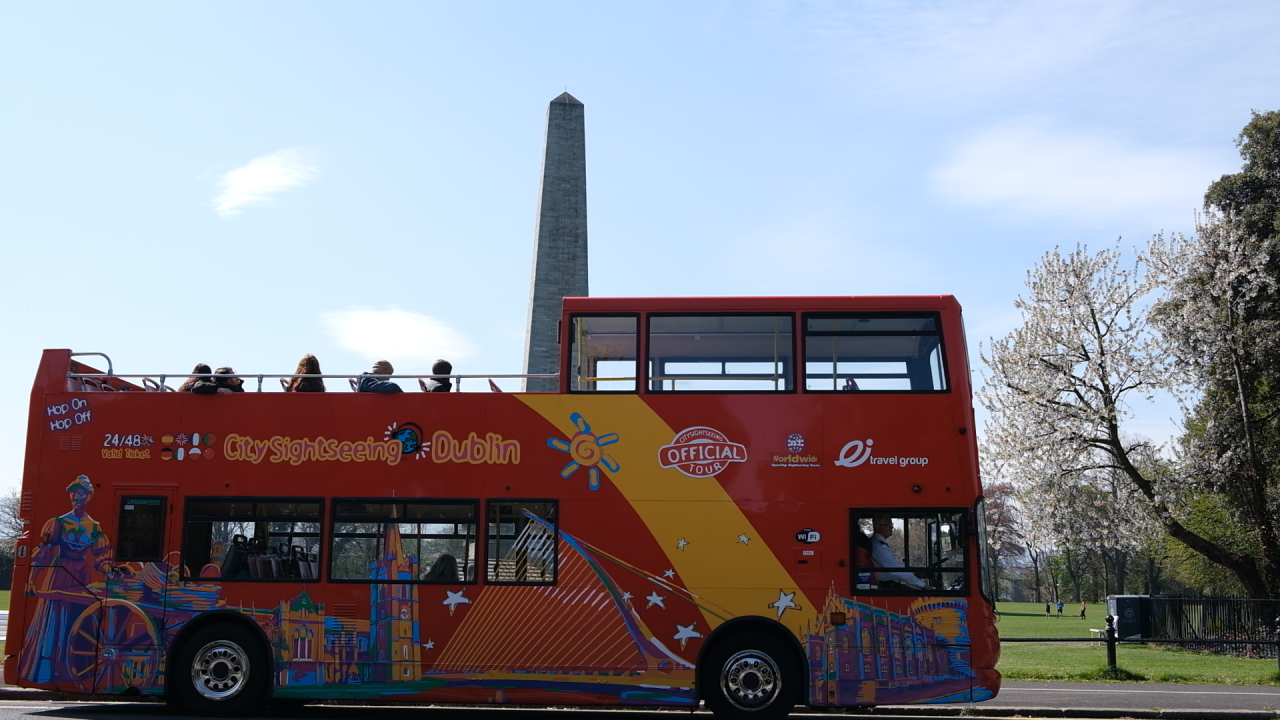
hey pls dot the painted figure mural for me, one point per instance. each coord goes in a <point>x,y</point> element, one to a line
<point>71,545</point>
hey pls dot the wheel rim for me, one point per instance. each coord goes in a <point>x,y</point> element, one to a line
<point>750,680</point>
<point>220,670</point>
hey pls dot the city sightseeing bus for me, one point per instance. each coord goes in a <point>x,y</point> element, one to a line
<point>753,502</point>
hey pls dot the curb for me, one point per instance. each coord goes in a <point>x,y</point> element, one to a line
<point>974,711</point>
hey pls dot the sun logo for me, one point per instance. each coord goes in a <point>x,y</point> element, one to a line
<point>584,448</point>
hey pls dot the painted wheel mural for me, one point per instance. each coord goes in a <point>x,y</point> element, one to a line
<point>129,653</point>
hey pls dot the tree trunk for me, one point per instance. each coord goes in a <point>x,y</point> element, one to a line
<point>1243,566</point>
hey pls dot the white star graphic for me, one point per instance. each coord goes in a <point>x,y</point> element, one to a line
<point>430,644</point>
<point>669,574</point>
<point>784,603</point>
<point>626,597</point>
<point>681,543</point>
<point>744,539</point>
<point>655,599</point>
<point>456,599</point>
<point>684,633</point>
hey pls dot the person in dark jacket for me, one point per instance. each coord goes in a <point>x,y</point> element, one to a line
<point>439,382</point>
<point>369,382</point>
<point>193,381</point>
<point>227,380</point>
<point>308,365</point>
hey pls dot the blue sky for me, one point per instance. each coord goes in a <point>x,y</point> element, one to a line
<point>242,183</point>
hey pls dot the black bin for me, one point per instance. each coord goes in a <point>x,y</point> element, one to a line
<point>1130,612</point>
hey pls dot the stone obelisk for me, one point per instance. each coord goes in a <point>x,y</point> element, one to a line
<point>560,238</point>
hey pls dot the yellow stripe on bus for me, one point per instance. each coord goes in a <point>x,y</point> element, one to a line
<point>723,551</point>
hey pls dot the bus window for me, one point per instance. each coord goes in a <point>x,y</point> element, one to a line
<point>873,352</point>
<point>720,353</point>
<point>141,531</point>
<point>522,542</point>
<point>437,540</point>
<point>908,552</point>
<point>252,539</point>
<point>603,354</point>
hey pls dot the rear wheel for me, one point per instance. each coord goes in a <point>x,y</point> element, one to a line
<point>223,670</point>
<point>750,675</point>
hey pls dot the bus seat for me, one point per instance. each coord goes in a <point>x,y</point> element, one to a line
<point>284,385</point>
<point>444,569</point>
<point>234,565</point>
<point>352,382</point>
<point>422,384</point>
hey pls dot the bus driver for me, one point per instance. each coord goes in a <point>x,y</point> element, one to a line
<point>882,556</point>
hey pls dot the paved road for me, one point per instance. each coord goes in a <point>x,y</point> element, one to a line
<point>4,624</point>
<point>153,711</point>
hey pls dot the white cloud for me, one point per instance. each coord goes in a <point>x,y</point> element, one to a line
<point>1031,167</point>
<point>407,339</point>
<point>262,179</point>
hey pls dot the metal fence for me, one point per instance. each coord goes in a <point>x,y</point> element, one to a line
<point>1210,624</point>
<point>1266,644</point>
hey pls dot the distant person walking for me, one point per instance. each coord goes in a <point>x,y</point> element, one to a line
<point>1060,604</point>
<point>1047,611</point>
<point>1083,607</point>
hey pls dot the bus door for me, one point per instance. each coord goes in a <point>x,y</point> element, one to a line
<point>140,593</point>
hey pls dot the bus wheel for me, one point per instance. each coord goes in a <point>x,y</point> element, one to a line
<point>222,670</point>
<point>750,675</point>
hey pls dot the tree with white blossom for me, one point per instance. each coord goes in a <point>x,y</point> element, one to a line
<point>1221,323</point>
<point>1060,387</point>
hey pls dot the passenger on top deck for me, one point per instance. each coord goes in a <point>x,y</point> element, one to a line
<point>850,385</point>
<point>200,385</point>
<point>370,383</point>
<point>227,381</point>
<point>308,365</point>
<point>439,382</point>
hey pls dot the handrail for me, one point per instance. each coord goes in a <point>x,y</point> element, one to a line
<point>103,355</point>
<point>262,376</point>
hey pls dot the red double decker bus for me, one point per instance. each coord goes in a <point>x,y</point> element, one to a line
<point>752,502</point>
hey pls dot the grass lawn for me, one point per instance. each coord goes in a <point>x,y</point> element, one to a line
<point>1027,620</point>
<point>4,599</point>
<point>1087,661</point>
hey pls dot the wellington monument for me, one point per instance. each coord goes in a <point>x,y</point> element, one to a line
<point>559,238</point>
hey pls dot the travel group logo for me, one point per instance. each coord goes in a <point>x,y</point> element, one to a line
<point>795,444</point>
<point>701,452</point>
<point>857,452</point>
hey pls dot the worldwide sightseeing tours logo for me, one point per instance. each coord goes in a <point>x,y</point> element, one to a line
<point>858,452</point>
<point>795,456</point>
<point>701,452</point>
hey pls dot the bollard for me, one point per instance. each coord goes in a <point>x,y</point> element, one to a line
<point>1111,643</point>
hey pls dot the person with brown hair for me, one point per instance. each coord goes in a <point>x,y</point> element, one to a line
<point>439,381</point>
<point>227,381</point>
<point>193,382</point>
<point>308,365</point>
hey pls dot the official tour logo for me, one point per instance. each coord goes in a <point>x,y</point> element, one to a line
<point>858,452</point>
<point>701,452</point>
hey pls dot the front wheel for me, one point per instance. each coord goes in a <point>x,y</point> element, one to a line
<point>750,676</point>
<point>223,670</point>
